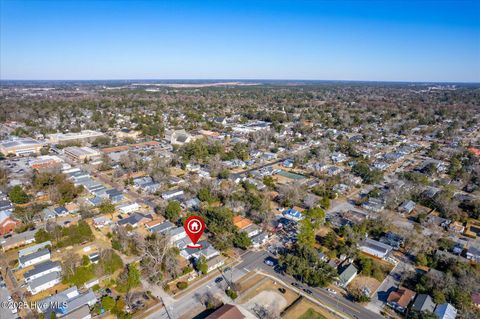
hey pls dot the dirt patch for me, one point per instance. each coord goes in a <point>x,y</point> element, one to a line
<point>266,284</point>
<point>248,281</point>
<point>362,282</point>
<point>273,300</point>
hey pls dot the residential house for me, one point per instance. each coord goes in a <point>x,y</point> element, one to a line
<point>392,239</point>
<point>18,240</point>
<point>44,282</point>
<point>101,221</point>
<point>374,204</point>
<point>7,223</point>
<point>215,262</point>
<point>259,239</point>
<point>347,275</point>
<point>176,234</point>
<point>226,312</point>
<point>60,211</point>
<point>252,230</point>
<point>193,203</point>
<point>162,228</point>
<point>153,223</point>
<point>128,208</point>
<point>135,220</point>
<point>294,213</point>
<point>473,253</point>
<point>34,258</point>
<point>34,248</point>
<point>41,270</point>
<point>66,303</point>
<point>114,195</point>
<point>375,248</point>
<point>48,214</point>
<point>400,299</point>
<point>445,311</point>
<point>6,206</point>
<point>407,207</point>
<point>172,194</point>
<point>178,137</point>
<point>423,302</point>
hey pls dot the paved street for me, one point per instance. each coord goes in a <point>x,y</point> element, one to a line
<point>4,312</point>
<point>254,261</point>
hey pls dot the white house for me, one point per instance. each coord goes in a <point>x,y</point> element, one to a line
<point>172,194</point>
<point>176,234</point>
<point>45,282</point>
<point>34,258</point>
<point>41,270</point>
<point>375,248</point>
<point>215,262</point>
<point>128,208</point>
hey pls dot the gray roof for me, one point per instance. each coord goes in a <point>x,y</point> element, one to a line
<point>163,227</point>
<point>35,283</point>
<point>423,302</point>
<point>348,273</point>
<point>47,303</point>
<point>34,248</point>
<point>78,302</point>
<point>80,313</point>
<point>132,219</point>
<point>34,255</point>
<point>376,245</point>
<point>39,268</point>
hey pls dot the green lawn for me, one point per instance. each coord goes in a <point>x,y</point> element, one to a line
<point>311,314</point>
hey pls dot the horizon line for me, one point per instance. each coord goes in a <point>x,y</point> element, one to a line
<point>239,80</point>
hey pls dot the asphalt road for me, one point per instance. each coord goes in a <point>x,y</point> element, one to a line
<point>252,261</point>
<point>5,313</point>
<point>336,302</point>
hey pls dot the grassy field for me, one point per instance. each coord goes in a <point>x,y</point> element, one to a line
<point>306,309</point>
<point>311,314</point>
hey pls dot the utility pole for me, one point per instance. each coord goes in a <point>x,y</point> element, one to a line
<point>166,308</point>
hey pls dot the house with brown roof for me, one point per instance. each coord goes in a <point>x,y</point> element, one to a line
<point>400,298</point>
<point>241,222</point>
<point>226,312</point>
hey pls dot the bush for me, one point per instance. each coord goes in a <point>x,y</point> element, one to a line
<point>231,293</point>
<point>182,285</point>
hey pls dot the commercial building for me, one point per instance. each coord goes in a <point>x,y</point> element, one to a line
<point>70,138</point>
<point>81,154</point>
<point>20,146</point>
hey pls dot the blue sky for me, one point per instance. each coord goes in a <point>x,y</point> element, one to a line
<point>316,40</point>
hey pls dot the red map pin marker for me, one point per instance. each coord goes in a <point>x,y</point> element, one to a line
<point>194,227</point>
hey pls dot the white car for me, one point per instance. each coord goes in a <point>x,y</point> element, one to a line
<point>330,290</point>
<point>269,262</point>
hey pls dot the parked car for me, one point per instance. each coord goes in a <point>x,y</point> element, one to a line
<point>282,290</point>
<point>294,284</point>
<point>330,290</point>
<point>268,262</point>
<point>308,291</point>
<point>219,279</point>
